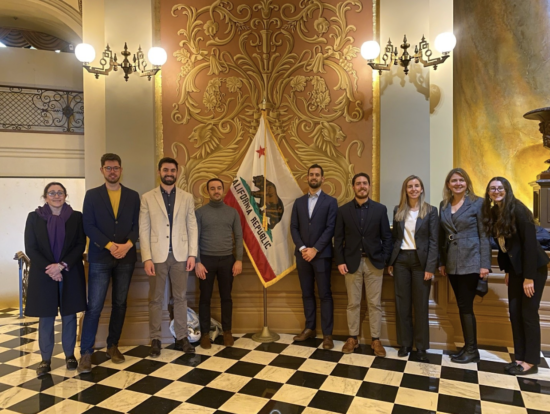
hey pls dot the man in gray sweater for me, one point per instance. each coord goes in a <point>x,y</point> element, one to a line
<point>219,230</point>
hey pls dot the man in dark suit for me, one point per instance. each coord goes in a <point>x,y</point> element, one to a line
<point>312,228</point>
<point>111,217</point>
<point>363,245</point>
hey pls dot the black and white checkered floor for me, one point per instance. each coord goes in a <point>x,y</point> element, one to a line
<point>277,378</point>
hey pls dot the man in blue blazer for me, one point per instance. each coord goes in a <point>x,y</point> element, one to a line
<point>312,229</point>
<point>111,217</point>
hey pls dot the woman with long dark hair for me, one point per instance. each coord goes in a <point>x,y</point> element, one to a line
<point>55,242</point>
<point>520,255</point>
<point>413,263</point>
<point>465,253</point>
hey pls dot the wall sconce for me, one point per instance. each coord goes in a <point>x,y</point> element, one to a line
<point>85,53</point>
<point>444,43</point>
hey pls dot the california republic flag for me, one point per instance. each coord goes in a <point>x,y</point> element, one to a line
<point>263,193</point>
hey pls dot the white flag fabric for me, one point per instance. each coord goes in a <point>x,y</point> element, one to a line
<point>263,192</point>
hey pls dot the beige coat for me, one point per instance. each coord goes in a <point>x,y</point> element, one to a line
<point>154,227</point>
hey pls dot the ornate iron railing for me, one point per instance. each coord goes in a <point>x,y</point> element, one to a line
<point>24,267</point>
<point>41,110</point>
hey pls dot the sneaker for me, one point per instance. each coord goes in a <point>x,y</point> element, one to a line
<point>43,368</point>
<point>85,364</point>
<point>71,363</point>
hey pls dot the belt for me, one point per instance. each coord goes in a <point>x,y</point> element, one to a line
<point>364,255</point>
<point>467,235</point>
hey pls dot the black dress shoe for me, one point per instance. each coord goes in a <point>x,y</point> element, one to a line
<point>403,351</point>
<point>422,355</point>
<point>43,368</point>
<point>71,363</point>
<point>471,355</point>
<point>519,370</point>
<point>156,346</point>
<point>509,366</point>
<point>184,345</point>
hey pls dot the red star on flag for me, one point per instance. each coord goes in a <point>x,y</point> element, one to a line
<point>261,152</point>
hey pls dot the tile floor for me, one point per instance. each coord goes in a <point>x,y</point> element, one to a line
<point>278,378</point>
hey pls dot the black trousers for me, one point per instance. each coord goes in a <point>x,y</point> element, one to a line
<point>524,315</point>
<point>464,287</point>
<point>308,272</point>
<point>222,268</point>
<point>411,291</point>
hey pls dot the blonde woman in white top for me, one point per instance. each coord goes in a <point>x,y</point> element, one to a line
<point>413,263</point>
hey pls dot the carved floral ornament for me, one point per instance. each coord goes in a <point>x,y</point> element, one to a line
<point>267,72</point>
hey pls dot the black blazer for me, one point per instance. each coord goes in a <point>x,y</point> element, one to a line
<point>318,230</point>
<point>43,292</point>
<point>101,226</point>
<point>523,251</point>
<point>376,238</point>
<point>425,236</point>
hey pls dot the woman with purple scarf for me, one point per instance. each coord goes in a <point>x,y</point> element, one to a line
<point>55,242</point>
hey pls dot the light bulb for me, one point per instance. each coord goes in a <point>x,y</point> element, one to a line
<point>370,50</point>
<point>85,53</point>
<point>445,42</point>
<point>157,56</point>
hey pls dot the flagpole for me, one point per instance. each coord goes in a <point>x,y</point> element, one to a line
<point>266,335</point>
<point>264,221</point>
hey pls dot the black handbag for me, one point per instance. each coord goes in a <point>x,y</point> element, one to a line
<point>482,287</point>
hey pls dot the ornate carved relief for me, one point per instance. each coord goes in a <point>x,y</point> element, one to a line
<point>299,62</point>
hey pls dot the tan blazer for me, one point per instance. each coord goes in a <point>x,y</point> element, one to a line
<point>154,227</point>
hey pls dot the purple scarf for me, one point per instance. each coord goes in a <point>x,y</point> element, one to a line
<point>56,227</point>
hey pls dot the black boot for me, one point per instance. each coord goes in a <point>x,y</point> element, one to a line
<point>471,354</point>
<point>461,351</point>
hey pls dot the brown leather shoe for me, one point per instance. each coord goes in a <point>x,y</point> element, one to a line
<point>378,349</point>
<point>350,345</point>
<point>228,338</point>
<point>115,355</point>
<point>85,364</point>
<point>205,341</point>
<point>306,334</point>
<point>328,343</point>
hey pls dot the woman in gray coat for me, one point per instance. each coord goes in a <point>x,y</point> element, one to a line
<point>465,253</point>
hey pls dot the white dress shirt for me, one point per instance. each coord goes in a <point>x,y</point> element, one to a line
<point>311,202</point>
<point>408,242</point>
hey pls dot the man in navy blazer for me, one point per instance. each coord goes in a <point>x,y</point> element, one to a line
<point>111,217</point>
<point>363,245</point>
<point>312,229</point>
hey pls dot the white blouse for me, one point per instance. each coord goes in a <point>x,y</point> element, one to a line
<point>408,242</point>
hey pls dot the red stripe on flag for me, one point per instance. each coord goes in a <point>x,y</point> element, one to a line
<point>258,256</point>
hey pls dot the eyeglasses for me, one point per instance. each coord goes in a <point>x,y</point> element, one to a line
<point>58,193</point>
<point>109,169</point>
<point>496,189</point>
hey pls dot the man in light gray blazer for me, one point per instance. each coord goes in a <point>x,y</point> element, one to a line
<point>168,239</point>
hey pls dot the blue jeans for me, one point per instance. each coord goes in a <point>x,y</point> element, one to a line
<point>99,276</point>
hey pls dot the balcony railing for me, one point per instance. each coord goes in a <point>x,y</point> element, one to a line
<point>41,110</point>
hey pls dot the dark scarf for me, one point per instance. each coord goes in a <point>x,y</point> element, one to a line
<point>55,226</point>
